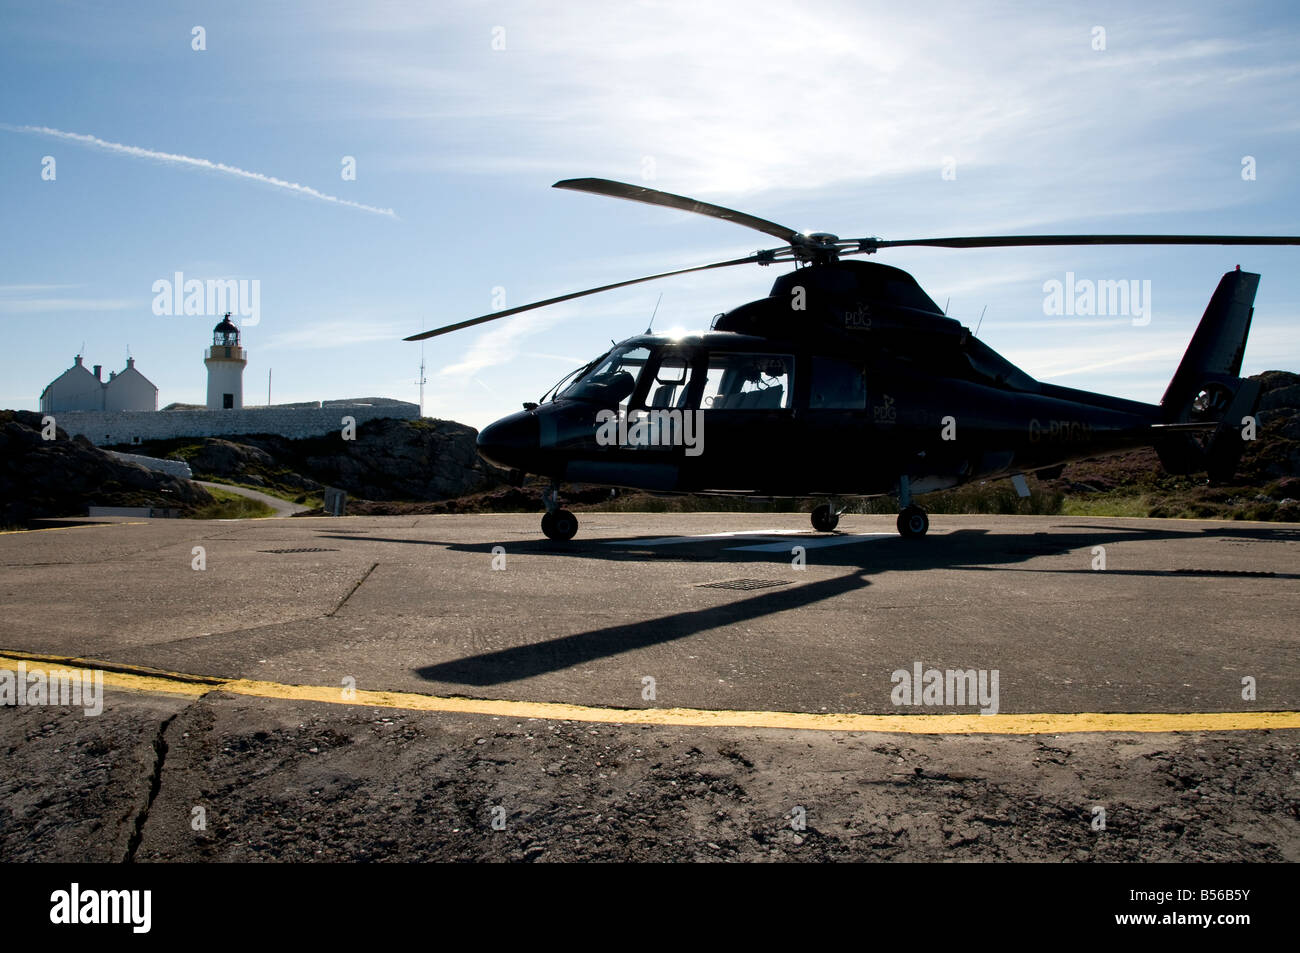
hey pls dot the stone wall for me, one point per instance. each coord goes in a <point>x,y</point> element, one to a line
<point>105,428</point>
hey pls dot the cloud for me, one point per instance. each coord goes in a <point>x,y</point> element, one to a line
<point>1159,354</point>
<point>137,152</point>
<point>727,103</point>
<point>500,345</point>
<point>27,299</point>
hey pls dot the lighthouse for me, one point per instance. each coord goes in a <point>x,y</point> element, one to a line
<point>225,361</point>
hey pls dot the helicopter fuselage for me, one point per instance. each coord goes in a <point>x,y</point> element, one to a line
<point>729,413</point>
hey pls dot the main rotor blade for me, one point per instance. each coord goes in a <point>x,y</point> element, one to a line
<point>637,193</point>
<point>577,294</point>
<point>1012,241</point>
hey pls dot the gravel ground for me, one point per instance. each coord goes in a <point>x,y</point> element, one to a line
<point>294,781</point>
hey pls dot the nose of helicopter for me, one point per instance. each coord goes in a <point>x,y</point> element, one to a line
<point>510,441</point>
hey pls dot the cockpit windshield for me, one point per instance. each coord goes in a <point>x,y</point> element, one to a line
<point>567,379</point>
<point>613,379</point>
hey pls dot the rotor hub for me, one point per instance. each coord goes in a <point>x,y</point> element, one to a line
<point>816,247</point>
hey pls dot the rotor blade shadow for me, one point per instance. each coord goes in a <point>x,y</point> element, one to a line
<point>1170,573</point>
<point>525,661</point>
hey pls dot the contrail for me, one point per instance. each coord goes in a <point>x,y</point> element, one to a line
<point>139,153</point>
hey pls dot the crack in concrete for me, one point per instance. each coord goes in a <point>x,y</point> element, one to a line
<point>155,784</point>
<point>355,587</point>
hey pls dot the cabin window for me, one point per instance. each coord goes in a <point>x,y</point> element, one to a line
<point>837,385</point>
<point>748,381</point>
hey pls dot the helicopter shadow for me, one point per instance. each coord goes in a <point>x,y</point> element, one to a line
<point>973,549</point>
<point>868,552</point>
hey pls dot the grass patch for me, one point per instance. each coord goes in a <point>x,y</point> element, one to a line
<point>1117,504</point>
<point>994,496</point>
<point>231,506</point>
<point>1194,503</point>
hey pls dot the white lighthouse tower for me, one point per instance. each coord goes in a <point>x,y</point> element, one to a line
<point>225,361</point>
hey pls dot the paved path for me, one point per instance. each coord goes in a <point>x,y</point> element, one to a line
<point>281,507</point>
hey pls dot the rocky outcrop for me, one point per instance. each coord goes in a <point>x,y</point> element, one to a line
<point>225,458</point>
<point>389,459</point>
<point>62,477</point>
<point>1275,453</point>
<point>406,460</point>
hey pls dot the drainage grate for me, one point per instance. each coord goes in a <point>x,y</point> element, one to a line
<point>1223,572</point>
<point>744,584</point>
<point>306,550</point>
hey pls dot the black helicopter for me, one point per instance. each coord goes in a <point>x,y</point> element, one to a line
<point>849,381</point>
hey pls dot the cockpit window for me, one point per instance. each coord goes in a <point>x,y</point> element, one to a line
<point>613,380</point>
<point>748,381</point>
<point>672,370</point>
<point>672,381</point>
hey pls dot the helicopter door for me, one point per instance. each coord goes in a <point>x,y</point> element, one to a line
<point>747,422</point>
<point>835,432</point>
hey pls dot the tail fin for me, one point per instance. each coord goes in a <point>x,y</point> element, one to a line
<point>1206,388</point>
<point>1219,343</point>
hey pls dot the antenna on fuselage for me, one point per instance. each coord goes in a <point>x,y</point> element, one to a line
<point>981,321</point>
<point>653,313</point>
<point>946,303</point>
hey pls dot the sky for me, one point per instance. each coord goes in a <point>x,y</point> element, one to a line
<point>216,140</point>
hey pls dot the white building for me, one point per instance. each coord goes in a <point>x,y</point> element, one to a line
<point>226,361</point>
<point>129,390</point>
<point>107,413</point>
<point>79,389</point>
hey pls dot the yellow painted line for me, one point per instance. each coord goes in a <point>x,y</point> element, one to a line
<point>130,678</point>
<point>55,529</point>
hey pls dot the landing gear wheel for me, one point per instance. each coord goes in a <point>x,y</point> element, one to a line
<point>560,524</point>
<point>824,518</point>
<point>913,522</point>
